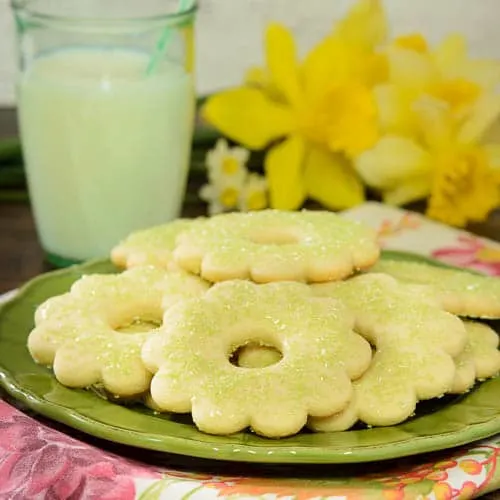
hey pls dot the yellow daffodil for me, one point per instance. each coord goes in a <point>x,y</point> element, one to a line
<point>447,162</point>
<point>361,31</point>
<point>313,115</point>
<point>445,72</point>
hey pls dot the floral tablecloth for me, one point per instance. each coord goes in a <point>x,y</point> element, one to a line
<point>38,462</point>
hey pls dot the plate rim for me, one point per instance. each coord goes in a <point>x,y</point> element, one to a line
<point>242,453</point>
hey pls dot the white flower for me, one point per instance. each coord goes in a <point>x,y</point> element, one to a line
<point>227,163</point>
<point>221,197</point>
<point>253,196</point>
<point>230,186</point>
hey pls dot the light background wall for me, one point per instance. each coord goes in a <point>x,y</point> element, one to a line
<point>230,31</point>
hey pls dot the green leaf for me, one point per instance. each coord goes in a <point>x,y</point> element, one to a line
<point>10,151</point>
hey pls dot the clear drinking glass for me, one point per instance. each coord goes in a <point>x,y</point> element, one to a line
<point>106,110</point>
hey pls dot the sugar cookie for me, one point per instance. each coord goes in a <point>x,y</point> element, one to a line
<point>149,247</point>
<point>465,373</point>
<point>480,359</point>
<point>193,372</point>
<point>273,245</point>
<point>460,292</point>
<point>415,345</point>
<point>77,333</point>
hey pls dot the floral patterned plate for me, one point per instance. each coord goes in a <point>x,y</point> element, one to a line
<point>439,424</point>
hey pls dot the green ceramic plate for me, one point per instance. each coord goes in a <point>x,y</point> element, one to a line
<point>440,424</point>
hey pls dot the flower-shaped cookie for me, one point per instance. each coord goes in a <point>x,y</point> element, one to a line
<point>273,245</point>
<point>460,292</point>
<point>150,247</point>
<point>415,345</point>
<point>479,360</point>
<point>193,373</point>
<point>95,332</point>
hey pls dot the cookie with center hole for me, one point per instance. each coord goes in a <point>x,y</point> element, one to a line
<point>94,333</point>
<point>191,358</point>
<point>274,245</point>
<point>460,292</point>
<point>415,345</point>
<point>150,247</point>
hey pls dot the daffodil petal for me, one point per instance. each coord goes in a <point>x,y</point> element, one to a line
<point>410,69</point>
<point>256,76</point>
<point>377,69</point>
<point>412,189</point>
<point>492,136</point>
<point>453,62</point>
<point>393,160</point>
<point>331,62</point>
<point>493,155</point>
<point>331,180</point>
<point>365,24</point>
<point>482,72</point>
<point>459,94</point>
<point>412,41</point>
<point>281,55</point>
<point>319,69</point>
<point>449,54</point>
<point>260,78</point>
<point>486,111</point>
<point>248,116</point>
<point>285,174</point>
<point>394,108</point>
<point>435,122</point>
<point>353,127</point>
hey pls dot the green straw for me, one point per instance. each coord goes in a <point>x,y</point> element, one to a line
<point>165,39</point>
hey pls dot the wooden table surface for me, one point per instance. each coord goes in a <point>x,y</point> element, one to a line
<point>21,258</point>
<point>20,254</point>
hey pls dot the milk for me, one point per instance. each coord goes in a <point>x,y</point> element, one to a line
<point>106,146</point>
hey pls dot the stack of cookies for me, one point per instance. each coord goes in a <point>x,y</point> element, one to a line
<point>272,321</point>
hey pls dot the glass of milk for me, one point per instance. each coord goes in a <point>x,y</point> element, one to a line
<point>106,110</point>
